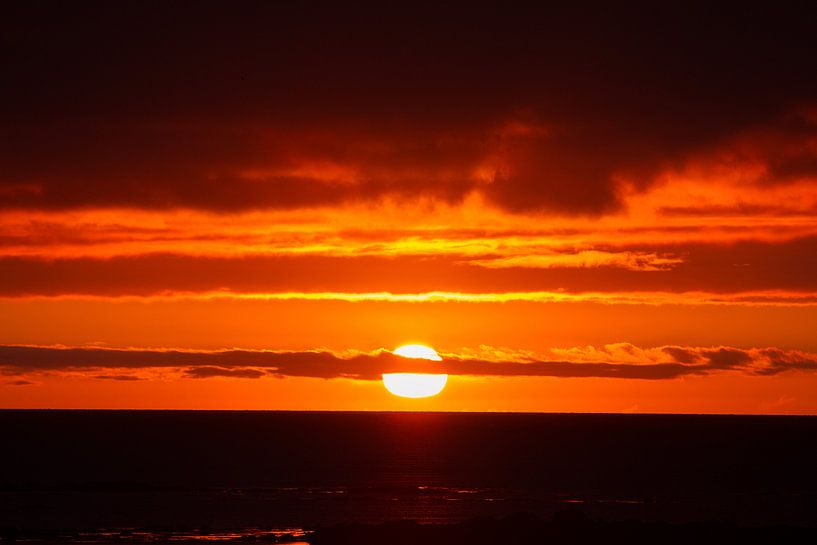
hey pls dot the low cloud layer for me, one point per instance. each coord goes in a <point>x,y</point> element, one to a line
<point>623,360</point>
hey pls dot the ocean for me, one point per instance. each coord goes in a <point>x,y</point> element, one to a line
<point>135,475</point>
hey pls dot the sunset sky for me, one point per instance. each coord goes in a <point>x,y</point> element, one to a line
<point>579,210</point>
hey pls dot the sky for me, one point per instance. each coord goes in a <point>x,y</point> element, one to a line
<point>250,206</point>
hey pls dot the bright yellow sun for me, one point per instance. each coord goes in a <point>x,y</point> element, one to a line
<point>415,385</point>
<point>418,351</point>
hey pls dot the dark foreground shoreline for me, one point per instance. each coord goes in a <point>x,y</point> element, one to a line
<point>566,527</point>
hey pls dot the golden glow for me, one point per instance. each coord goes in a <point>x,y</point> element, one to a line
<point>415,385</point>
<point>756,298</point>
<point>691,207</point>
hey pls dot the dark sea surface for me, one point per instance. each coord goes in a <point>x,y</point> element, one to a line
<point>90,474</point>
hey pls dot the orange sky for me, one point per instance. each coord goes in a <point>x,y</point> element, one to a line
<point>574,228</point>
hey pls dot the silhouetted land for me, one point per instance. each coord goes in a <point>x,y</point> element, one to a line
<point>260,476</point>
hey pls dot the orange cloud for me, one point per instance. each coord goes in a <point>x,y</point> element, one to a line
<point>746,268</point>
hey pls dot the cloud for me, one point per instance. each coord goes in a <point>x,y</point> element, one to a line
<point>621,360</point>
<point>726,358</point>
<point>123,378</point>
<point>210,372</point>
<point>783,360</point>
<point>562,116</point>
<point>634,261</point>
<point>741,267</point>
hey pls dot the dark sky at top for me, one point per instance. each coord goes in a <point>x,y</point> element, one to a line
<point>169,104</point>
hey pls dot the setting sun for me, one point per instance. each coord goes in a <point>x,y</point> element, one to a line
<point>415,385</point>
<point>577,248</point>
<point>418,351</point>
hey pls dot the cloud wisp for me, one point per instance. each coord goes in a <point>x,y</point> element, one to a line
<point>745,267</point>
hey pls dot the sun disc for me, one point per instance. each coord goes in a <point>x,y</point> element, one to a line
<point>418,351</point>
<point>415,385</point>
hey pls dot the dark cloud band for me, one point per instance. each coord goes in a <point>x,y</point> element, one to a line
<point>671,362</point>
